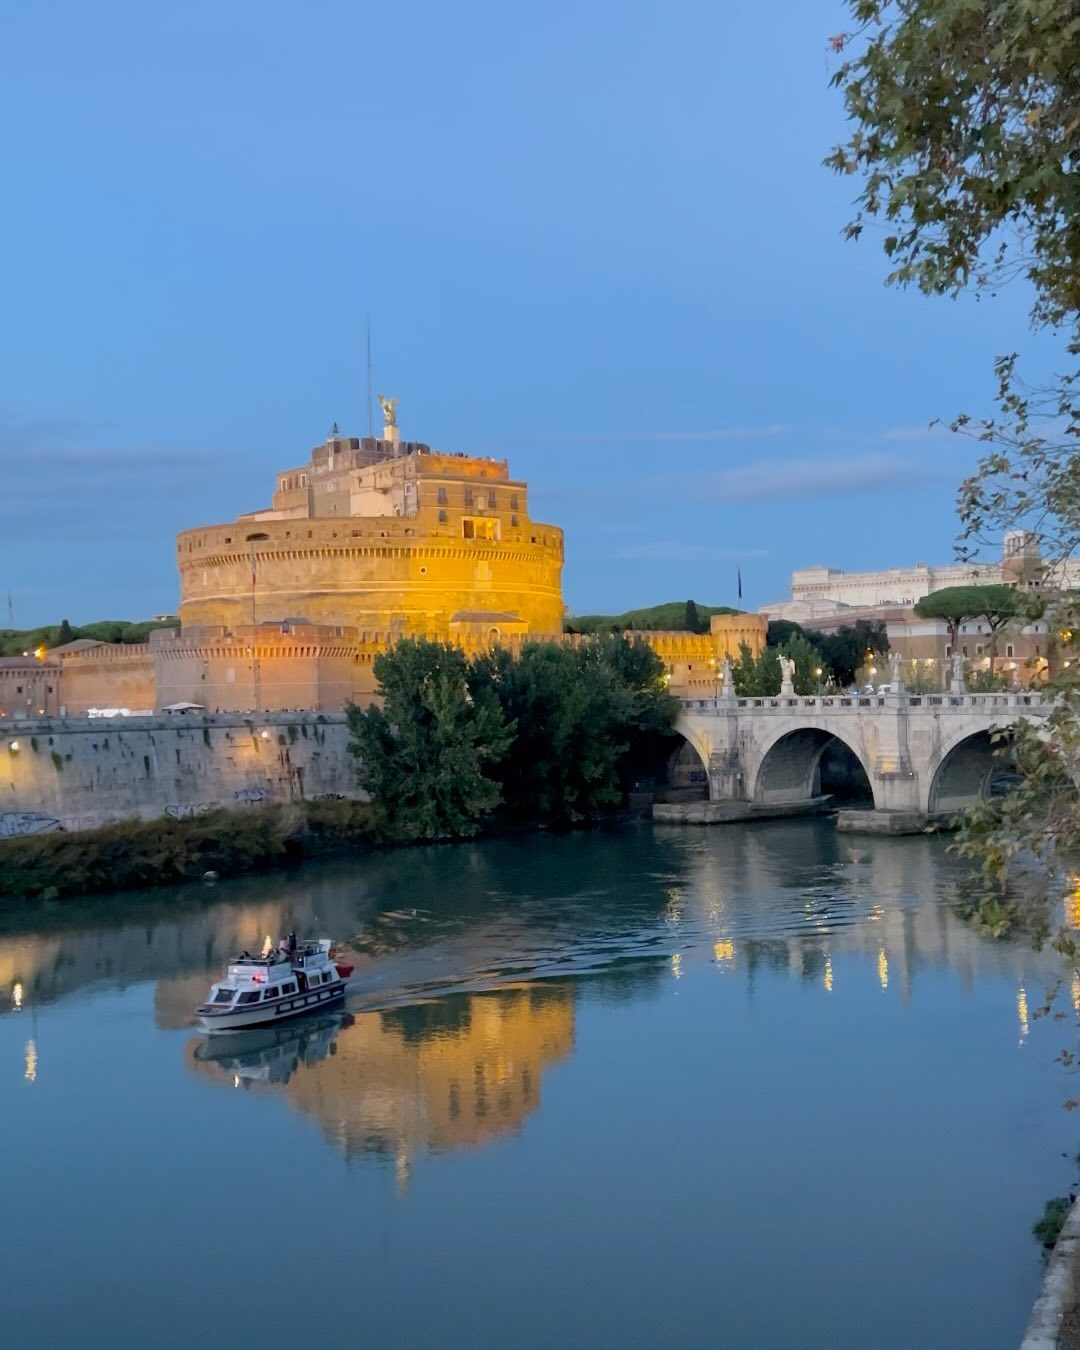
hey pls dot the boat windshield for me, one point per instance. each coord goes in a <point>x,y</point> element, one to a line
<point>223,995</point>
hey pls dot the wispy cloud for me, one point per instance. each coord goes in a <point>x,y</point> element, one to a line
<point>809,477</point>
<point>932,431</point>
<point>714,436</point>
<point>672,550</point>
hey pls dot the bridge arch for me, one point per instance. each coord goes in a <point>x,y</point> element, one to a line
<point>967,772</point>
<point>687,768</point>
<point>805,762</point>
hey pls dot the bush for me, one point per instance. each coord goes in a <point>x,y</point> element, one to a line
<point>1048,1229</point>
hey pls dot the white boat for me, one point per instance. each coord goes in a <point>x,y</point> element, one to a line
<point>267,990</point>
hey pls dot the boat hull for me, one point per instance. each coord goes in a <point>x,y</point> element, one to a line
<point>272,1015</point>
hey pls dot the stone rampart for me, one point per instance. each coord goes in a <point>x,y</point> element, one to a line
<point>79,773</point>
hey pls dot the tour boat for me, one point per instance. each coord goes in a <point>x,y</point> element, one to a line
<point>267,990</point>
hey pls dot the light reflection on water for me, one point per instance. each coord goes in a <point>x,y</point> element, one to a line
<point>771,1070</point>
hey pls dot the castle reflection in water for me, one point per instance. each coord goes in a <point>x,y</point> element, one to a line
<point>463,1007</point>
<point>461,1071</point>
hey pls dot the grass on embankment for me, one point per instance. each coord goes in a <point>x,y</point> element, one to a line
<point>136,853</point>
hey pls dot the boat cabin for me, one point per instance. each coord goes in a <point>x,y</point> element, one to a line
<point>280,974</point>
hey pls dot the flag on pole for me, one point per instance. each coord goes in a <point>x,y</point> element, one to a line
<point>739,574</point>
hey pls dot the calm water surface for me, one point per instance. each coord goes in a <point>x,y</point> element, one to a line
<point>747,1087</point>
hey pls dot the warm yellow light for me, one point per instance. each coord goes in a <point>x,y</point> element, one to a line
<point>40,653</point>
<point>818,672</point>
<point>1072,904</point>
<point>17,994</point>
<point>828,974</point>
<point>873,670</point>
<point>676,965</point>
<point>1022,1011</point>
<point>883,968</point>
<point>1066,635</point>
<point>30,1061</point>
<point>724,950</point>
<point>14,747</point>
<point>266,735</point>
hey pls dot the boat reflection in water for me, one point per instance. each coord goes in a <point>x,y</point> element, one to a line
<point>454,1072</point>
<point>270,1055</point>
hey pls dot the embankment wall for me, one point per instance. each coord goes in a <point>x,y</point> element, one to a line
<point>78,773</point>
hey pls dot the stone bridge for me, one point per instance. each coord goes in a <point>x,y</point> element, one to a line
<point>921,754</point>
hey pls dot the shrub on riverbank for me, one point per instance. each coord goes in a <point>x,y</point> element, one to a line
<point>137,853</point>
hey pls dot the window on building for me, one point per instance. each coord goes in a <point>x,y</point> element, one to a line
<point>442,517</point>
<point>442,496</point>
<point>514,521</point>
<point>948,649</point>
<point>1009,649</point>
<point>965,650</point>
<point>513,501</point>
<point>978,649</point>
<point>479,529</point>
<point>18,688</point>
<point>468,496</point>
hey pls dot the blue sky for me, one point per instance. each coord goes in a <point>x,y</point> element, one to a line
<point>595,237</point>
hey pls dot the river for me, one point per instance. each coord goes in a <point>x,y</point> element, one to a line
<point>750,1086</point>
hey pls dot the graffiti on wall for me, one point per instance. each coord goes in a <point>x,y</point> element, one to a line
<point>250,794</point>
<point>188,810</point>
<point>14,823</point>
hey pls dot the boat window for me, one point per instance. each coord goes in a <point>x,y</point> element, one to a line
<point>289,989</point>
<point>223,996</point>
<point>327,977</point>
<point>272,992</point>
<point>249,996</point>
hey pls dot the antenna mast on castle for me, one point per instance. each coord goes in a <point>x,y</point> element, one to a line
<point>370,425</point>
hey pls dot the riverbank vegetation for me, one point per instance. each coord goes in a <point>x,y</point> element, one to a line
<point>550,737</point>
<point>137,853</point>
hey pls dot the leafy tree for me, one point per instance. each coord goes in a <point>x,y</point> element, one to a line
<point>657,618</point>
<point>847,650</point>
<point>691,619</point>
<point>964,132</point>
<point>957,605</point>
<point>780,631</point>
<point>807,660</point>
<point>425,756</point>
<point>553,736</point>
<point>65,633</point>
<point>757,677</point>
<point>586,719</point>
